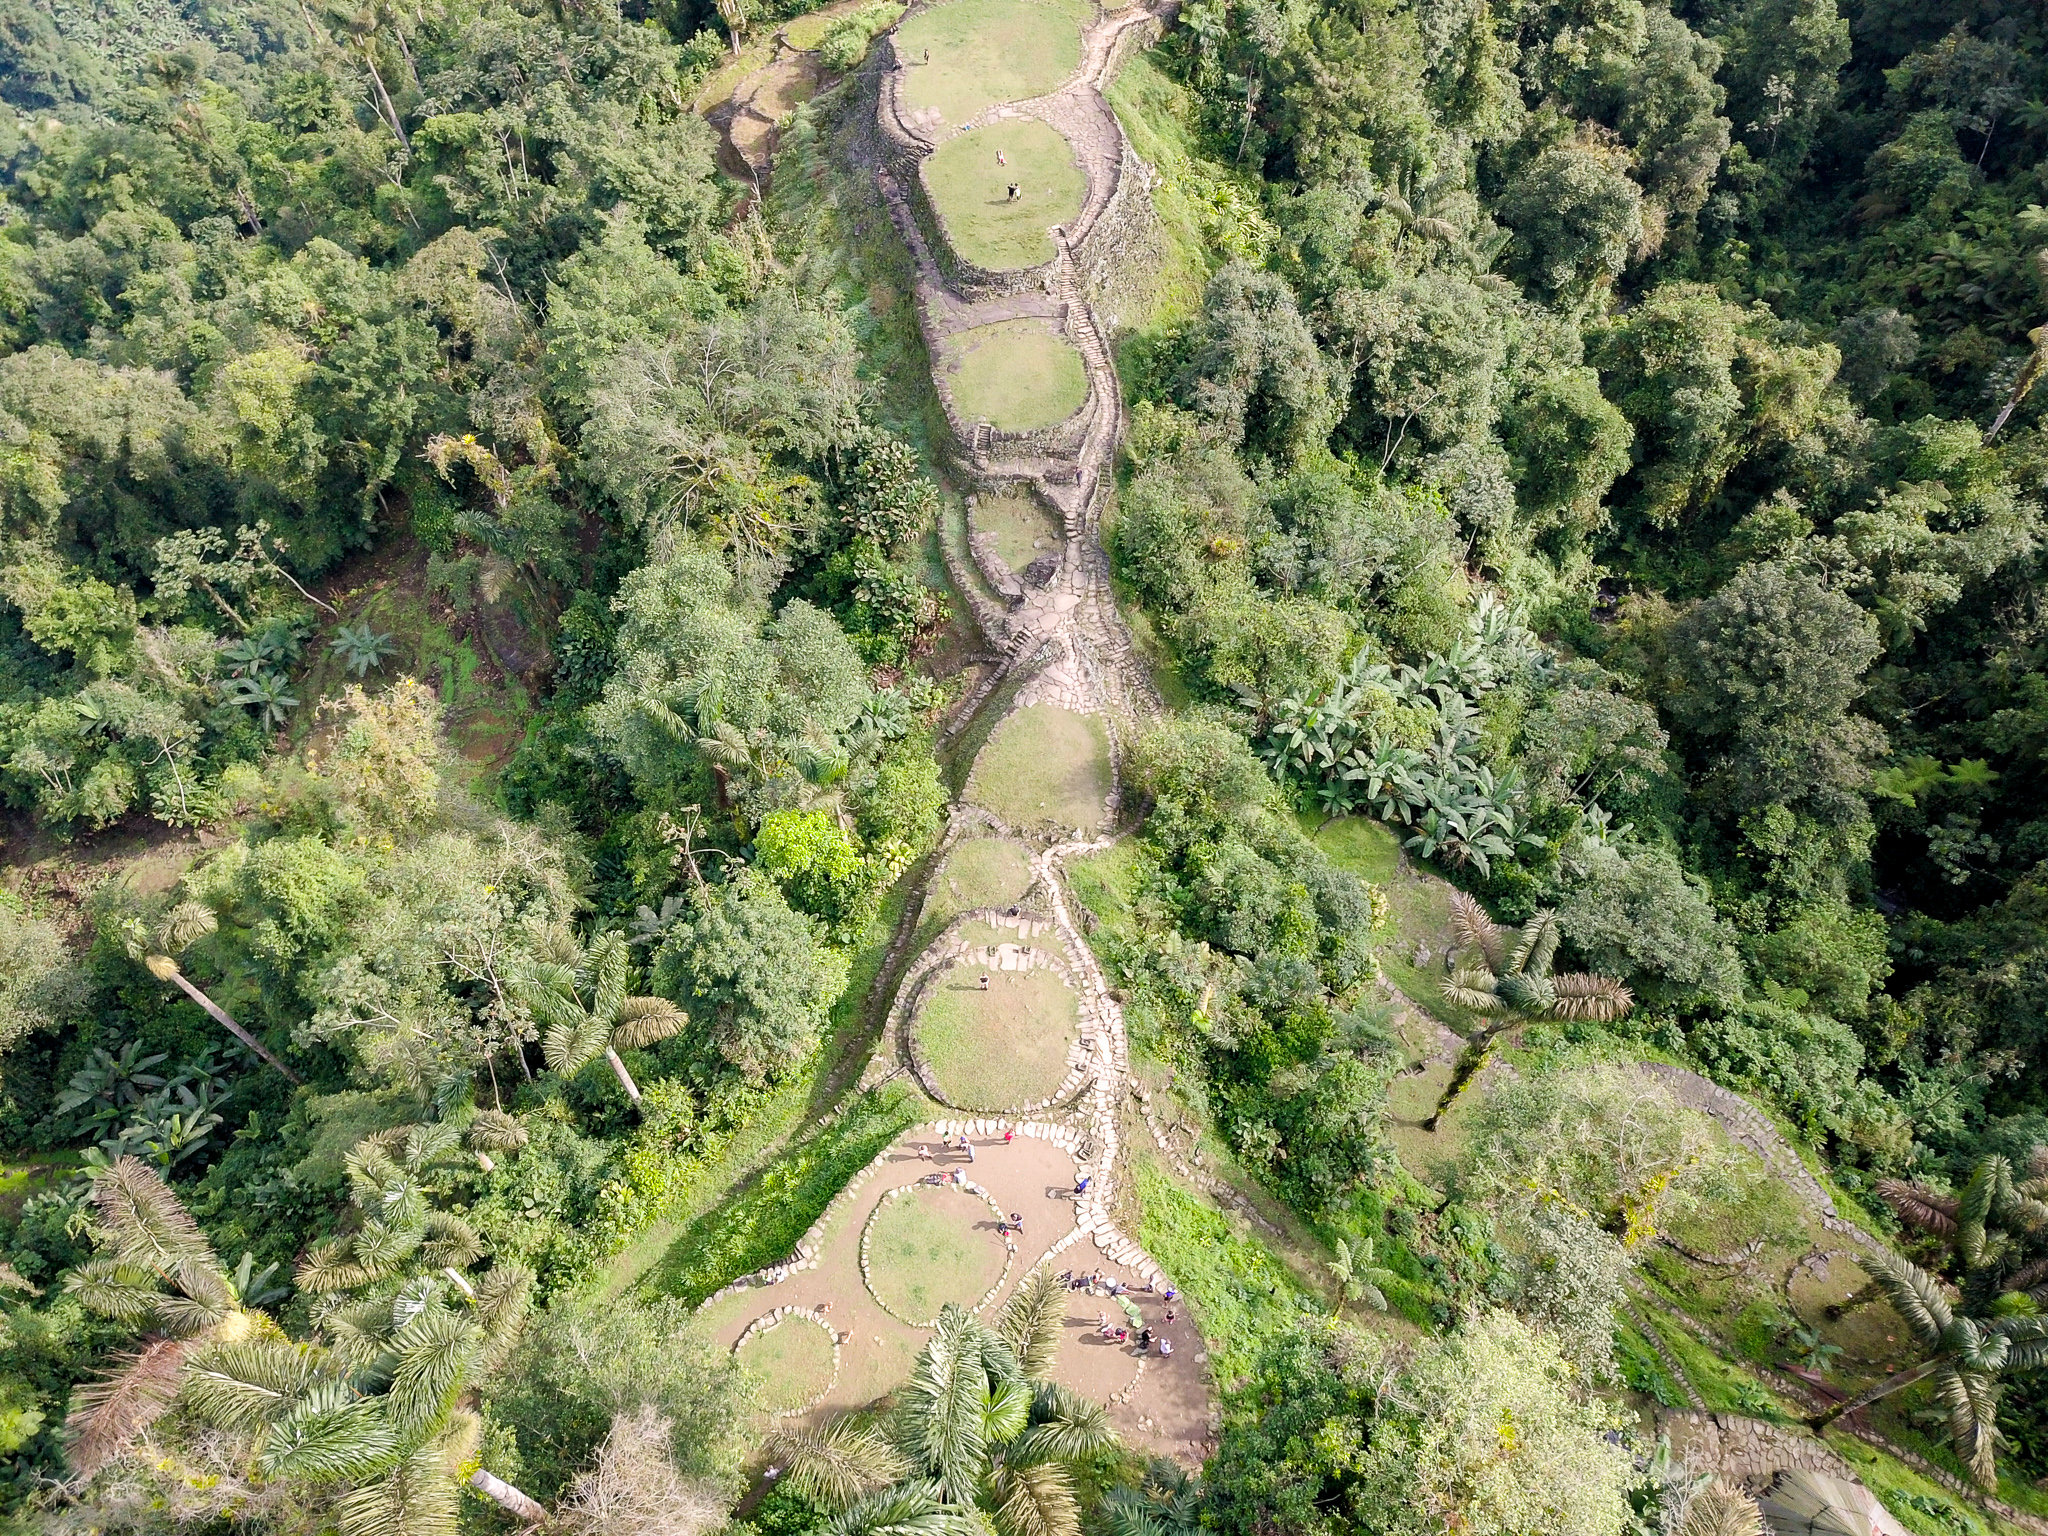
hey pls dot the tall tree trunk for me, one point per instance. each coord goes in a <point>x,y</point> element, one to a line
<point>625,1078</point>
<point>1895,1382</point>
<point>1470,1062</point>
<point>519,1505</point>
<point>169,972</point>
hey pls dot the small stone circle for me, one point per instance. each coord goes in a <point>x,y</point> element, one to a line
<point>889,1198</point>
<point>768,1321</point>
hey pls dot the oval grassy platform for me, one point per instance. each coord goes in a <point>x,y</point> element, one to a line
<point>1044,765</point>
<point>930,1245</point>
<point>1019,525</point>
<point>1017,375</point>
<point>983,52</point>
<point>970,188</point>
<point>792,1360</point>
<point>1001,1049</point>
<point>978,872</point>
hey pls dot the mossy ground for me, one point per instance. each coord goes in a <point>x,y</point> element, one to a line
<point>1019,526</point>
<point>969,185</point>
<point>931,1247</point>
<point>1003,1048</point>
<point>987,51</point>
<point>1045,765</point>
<point>1017,375</point>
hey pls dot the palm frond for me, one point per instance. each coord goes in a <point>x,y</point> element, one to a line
<point>943,1404</point>
<point>1006,1410</point>
<point>1474,930</point>
<point>415,1498</point>
<point>1919,1207</point>
<point>242,1385</point>
<point>838,1465</point>
<point>642,1021</point>
<point>446,1239</point>
<point>185,924</point>
<point>330,1266</point>
<point>1035,1500</point>
<point>503,1295</point>
<point>435,1352</point>
<point>1473,989</point>
<point>495,1131</point>
<point>107,1415</point>
<point>1034,1322</point>
<point>609,963</point>
<point>1583,995</point>
<point>569,1046</point>
<point>143,1220</point>
<point>1721,1511</point>
<point>908,1509</point>
<point>327,1443</point>
<point>124,1292</point>
<point>1066,1426</point>
<point>1125,1513</point>
<point>1535,945</point>
<point>1914,1294</point>
<point>1971,1398</point>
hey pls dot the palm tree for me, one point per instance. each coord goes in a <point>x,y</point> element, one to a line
<point>1985,1226</point>
<point>187,922</point>
<point>1168,1503</point>
<point>1509,982</point>
<point>156,1272</point>
<point>1718,1511</point>
<point>373,1409</point>
<point>1358,1277</point>
<point>575,1031</point>
<point>1964,1354</point>
<point>399,1233</point>
<point>977,1427</point>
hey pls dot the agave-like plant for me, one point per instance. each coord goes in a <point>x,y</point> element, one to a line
<point>1507,979</point>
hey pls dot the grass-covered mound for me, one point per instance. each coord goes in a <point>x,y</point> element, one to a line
<point>1017,375</point>
<point>1045,765</point>
<point>979,872</point>
<point>970,186</point>
<point>986,51</point>
<point>1000,1049</point>
<point>791,1363</point>
<point>1019,525</point>
<point>931,1246</point>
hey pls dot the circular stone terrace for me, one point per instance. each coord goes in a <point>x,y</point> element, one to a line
<point>1018,375</point>
<point>1000,1028</point>
<point>970,178</point>
<point>1158,1405</point>
<point>965,56</point>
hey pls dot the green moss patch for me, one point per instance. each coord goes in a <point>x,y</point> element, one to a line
<point>1003,1048</point>
<point>969,178</point>
<point>791,1363</point>
<point>932,1246</point>
<point>1045,765</point>
<point>1016,375</point>
<point>1019,525</point>
<point>982,52</point>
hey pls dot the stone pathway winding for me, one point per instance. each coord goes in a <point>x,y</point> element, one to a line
<point>1059,640</point>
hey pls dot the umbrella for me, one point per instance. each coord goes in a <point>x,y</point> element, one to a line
<point>1131,1311</point>
<point>1803,1503</point>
